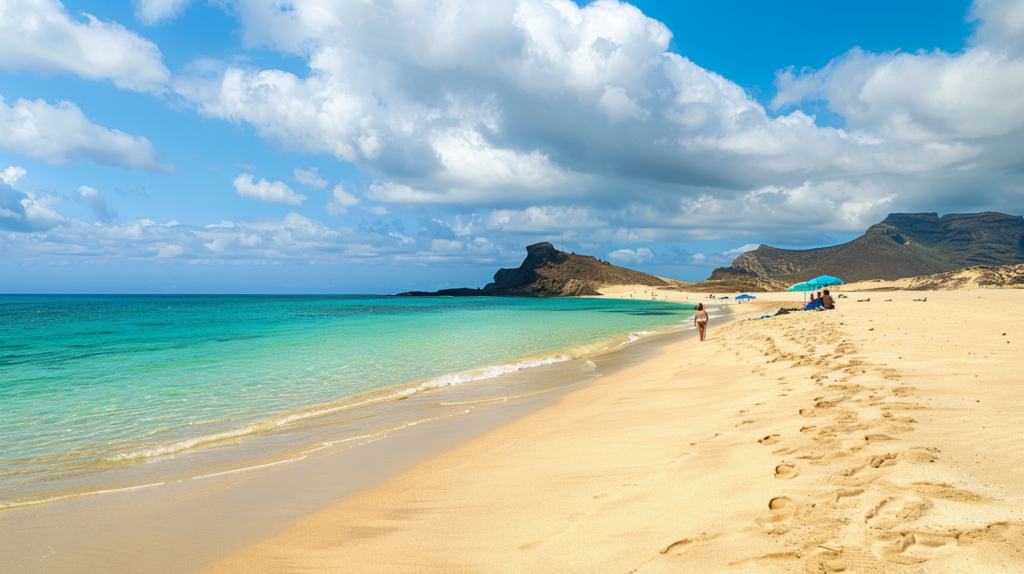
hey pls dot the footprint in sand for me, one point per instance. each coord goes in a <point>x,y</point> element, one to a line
<point>946,492</point>
<point>830,558</point>
<point>895,510</point>
<point>770,439</point>
<point>886,459</point>
<point>682,546</point>
<point>786,471</point>
<point>782,510</point>
<point>677,547</point>
<point>847,495</point>
<point>915,547</point>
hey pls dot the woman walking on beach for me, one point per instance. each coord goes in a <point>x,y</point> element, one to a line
<point>700,320</point>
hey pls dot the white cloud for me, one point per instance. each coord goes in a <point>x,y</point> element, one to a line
<point>28,212</point>
<point>469,159</point>
<point>582,81</point>
<point>446,245</point>
<point>98,204</point>
<point>153,11</point>
<point>61,133</point>
<point>12,174</point>
<point>741,250</point>
<point>276,192</point>
<point>561,105</point>
<point>390,192</point>
<point>541,219</point>
<point>341,200</point>
<point>956,106</point>
<point>40,36</point>
<point>310,177</point>
<point>165,251</point>
<point>627,256</point>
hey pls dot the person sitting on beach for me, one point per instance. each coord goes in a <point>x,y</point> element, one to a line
<point>814,305</point>
<point>827,301</point>
<point>700,320</point>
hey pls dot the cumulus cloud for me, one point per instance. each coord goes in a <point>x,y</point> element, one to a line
<point>512,104</point>
<point>27,212</point>
<point>542,219</point>
<point>12,174</point>
<point>153,11</point>
<point>962,104</point>
<point>40,36</point>
<point>545,96</point>
<point>341,200</point>
<point>630,256</point>
<point>275,192</point>
<point>515,120</point>
<point>741,250</point>
<point>295,238</point>
<point>98,204</point>
<point>60,134</point>
<point>310,177</point>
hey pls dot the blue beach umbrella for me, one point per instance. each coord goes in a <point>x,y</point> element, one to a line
<point>805,286</point>
<point>825,281</point>
<point>745,296</point>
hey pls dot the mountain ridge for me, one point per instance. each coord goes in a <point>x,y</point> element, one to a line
<point>902,245</point>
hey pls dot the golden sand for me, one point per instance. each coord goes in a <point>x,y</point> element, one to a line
<point>884,436</point>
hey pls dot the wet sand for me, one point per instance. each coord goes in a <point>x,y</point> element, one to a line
<point>883,436</point>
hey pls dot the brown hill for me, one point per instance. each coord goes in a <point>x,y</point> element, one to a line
<point>903,245</point>
<point>977,277</point>
<point>726,280</point>
<point>548,272</point>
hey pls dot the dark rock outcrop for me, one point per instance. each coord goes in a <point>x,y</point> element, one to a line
<point>903,245</point>
<point>548,272</point>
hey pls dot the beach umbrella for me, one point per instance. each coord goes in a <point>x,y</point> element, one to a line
<point>745,296</point>
<point>825,281</point>
<point>805,286</point>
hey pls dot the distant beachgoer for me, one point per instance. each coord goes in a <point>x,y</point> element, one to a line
<point>700,320</point>
<point>827,301</point>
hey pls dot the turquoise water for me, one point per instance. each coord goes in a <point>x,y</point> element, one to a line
<point>87,380</point>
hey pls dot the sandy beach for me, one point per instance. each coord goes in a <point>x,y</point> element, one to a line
<point>883,436</point>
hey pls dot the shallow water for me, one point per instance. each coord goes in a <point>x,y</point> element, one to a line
<point>93,383</point>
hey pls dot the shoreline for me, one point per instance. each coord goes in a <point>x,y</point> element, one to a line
<point>281,436</point>
<point>144,508</point>
<point>879,437</point>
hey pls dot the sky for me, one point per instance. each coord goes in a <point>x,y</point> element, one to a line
<point>353,146</point>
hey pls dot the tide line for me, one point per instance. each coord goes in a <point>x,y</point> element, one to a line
<point>19,504</point>
<point>249,468</point>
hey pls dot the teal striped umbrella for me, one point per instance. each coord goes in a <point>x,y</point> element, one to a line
<point>805,286</point>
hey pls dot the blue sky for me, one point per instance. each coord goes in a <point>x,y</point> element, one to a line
<point>176,146</point>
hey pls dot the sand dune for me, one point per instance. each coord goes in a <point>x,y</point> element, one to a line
<point>977,277</point>
<point>883,436</point>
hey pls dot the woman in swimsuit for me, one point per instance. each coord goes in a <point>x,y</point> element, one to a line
<point>700,320</point>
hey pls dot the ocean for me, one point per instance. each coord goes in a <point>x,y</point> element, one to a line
<point>93,383</point>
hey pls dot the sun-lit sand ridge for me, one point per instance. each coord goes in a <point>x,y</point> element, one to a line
<point>883,436</point>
